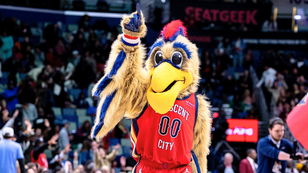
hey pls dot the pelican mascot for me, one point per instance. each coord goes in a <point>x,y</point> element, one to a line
<point>170,130</point>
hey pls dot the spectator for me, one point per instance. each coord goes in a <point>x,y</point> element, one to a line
<point>207,66</point>
<point>37,155</point>
<point>10,152</point>
<point>28,59</point>
<point>29,112</point>
<point>101,159</point>
<point>268,77</point>
<point>84,74</point>
<point>92,38</point>
<point>76,58</point>
<point>238,47</point>
<point>290,168</point>
<point>248,164</point>
<point>244,82</point>
<point>270,25</point>
<point>273,150</point>
<point>11,94</point>
<point>227,166</point>
<point>229,87</point>
<point>79,43</point>
<point>63,136</point>
<point>53,59</point>
<point>223,52</point>
<point>10,122</point>
<point>51,33</point>
<point>248,59</point>
<point>7,46</point>
<point>24,29</point>
<point>32,166</point>
<point>85,155</point>
<point>127,164</point>
<point>60,49</point>
<point>91,60</point>
<point>36,31</point>
<point>81,102</point>
<point>84,131</point>
<point>248,101</point>
<point>275,92</point>
<point>39,57</point>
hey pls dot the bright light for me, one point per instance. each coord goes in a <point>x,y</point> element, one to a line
<point>297,17</point>
<point>163,1</point>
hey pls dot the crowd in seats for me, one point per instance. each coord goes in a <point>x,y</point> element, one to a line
<point>284,80</point>
<point>226,78</point>
<point>46,80</point>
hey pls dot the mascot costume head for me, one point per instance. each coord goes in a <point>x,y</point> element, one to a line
<point>173,67</point>
<point>157,91</point>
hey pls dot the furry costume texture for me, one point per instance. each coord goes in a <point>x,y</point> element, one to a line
<point>127,85</point>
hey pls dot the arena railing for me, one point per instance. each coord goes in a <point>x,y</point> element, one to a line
<point>260,104</point>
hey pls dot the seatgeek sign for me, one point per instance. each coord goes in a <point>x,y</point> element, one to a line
<point>215,12</point>
<point>241,130</point>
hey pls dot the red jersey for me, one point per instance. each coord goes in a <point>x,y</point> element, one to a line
<point>42,160</point>
<point>165,140</point>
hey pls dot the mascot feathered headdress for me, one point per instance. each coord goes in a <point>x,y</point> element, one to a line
<point>168,119</point>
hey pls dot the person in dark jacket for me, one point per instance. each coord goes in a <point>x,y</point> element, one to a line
<point>273,150</point>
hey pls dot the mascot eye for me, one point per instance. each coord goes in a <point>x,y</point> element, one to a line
<point>177,58</point>
<point>158,57</point>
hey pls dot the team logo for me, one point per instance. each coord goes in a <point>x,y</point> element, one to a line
<point>140,171</point>
<point>190,104</point>
<point>187,171</point>
<point>303,101</point>
<point>165,165</point>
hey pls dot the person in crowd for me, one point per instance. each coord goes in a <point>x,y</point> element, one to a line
<point>10,152</point>
<point>227,166</point>
<point>102,159</point>
<point>273,150</point>
<point>63,136</point>
<point>248,164</point>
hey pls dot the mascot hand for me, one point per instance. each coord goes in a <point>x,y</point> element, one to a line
<point>135,21</point>
<point>134,24</point>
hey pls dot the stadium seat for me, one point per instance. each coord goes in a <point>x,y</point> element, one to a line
<point>69,112</point>
<point>73,126</point>
<point>23,75</point>
<point>82,119</point>
<point>126,142</point>
<point>120,151</point>
<point>4,80</point>
<point>114,141</point>
<point>57,111</point>
<point>81,112</point>
<point>127,123</point>
<point>72,27</point>
<point>73,120</point>
<point>5,74</point>
<point>75,93</point>
<point>126,151</point>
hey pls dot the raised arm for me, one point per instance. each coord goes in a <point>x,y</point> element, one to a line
<point>202,133</point>
<point>122,90</point>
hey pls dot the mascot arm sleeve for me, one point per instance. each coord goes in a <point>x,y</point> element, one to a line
<point>122,89</point>
<point>202,132</point>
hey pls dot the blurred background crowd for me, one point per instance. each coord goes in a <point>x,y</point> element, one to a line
<point>49,67</point>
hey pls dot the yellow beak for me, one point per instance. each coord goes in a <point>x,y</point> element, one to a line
<point>166,84</point>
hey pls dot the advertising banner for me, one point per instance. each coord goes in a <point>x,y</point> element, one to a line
<point>215,12</point>
<point>241,130</point>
